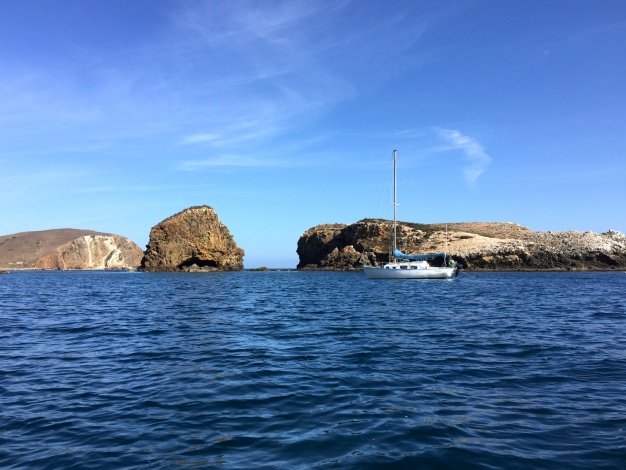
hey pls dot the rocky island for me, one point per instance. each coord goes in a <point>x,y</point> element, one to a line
<point>478,246</point>
<point>68,248</point>
<point>193,240</point>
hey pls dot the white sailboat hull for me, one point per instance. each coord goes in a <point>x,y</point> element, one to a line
<point>398,272</point>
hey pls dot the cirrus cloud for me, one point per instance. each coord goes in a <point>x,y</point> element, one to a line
<point>475,154</point>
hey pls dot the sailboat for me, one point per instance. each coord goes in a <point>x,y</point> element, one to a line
<point>404,266</point>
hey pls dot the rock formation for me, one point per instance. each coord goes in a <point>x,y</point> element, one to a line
<point>192,240</point>
<point>479,246</point>
<point>68,249</point>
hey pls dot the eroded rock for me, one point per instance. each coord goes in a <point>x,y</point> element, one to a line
<point>478,246</point>
<point>192,240</point>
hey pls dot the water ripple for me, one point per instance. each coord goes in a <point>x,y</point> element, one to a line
<point>311,370</point>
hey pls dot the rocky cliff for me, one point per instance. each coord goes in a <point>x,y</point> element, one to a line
<point>68,249</point>
<point>480,246</point>
<point>192,240</point>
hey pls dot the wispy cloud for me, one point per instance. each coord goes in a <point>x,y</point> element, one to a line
<point>226,77</point>
<point>278,66</point>
<point>223,161</point>
<point>243,161</point>
<point>200,138</point>
<point>475,154</point>
<point>234,23</point>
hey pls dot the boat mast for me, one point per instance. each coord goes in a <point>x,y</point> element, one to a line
<point>394,199</point>
<point>446,252</point>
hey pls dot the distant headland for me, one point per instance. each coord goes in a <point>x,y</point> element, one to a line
<point>68,248</point>
<point>478,246</point>
<point>195,240</point>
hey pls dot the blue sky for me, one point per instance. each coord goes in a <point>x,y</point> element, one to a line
<point>115,115</point>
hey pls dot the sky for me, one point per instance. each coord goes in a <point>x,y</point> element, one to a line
<point>282,115</point>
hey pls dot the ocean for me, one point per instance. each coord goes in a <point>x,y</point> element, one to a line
<point>312,370</point>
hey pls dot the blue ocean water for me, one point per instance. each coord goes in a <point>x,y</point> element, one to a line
<point>302,370</point>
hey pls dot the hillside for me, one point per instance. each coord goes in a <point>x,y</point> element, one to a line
<point>68,249</point>
<point>489,246</point>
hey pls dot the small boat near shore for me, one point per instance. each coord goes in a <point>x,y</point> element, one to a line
<point>404,266</point>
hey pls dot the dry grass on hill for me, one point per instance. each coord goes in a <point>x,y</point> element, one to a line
<point>27,247</point>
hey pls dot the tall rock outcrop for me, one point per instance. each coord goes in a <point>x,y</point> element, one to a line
<point>68,249</point>
<point>192,240</point>
<point>479,246</point>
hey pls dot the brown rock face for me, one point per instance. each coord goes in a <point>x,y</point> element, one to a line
<point>192,240</point>
<point>68,249</point>
<point>479,246</point>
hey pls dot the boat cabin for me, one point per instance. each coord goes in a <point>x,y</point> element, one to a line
<point>410,265</point>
